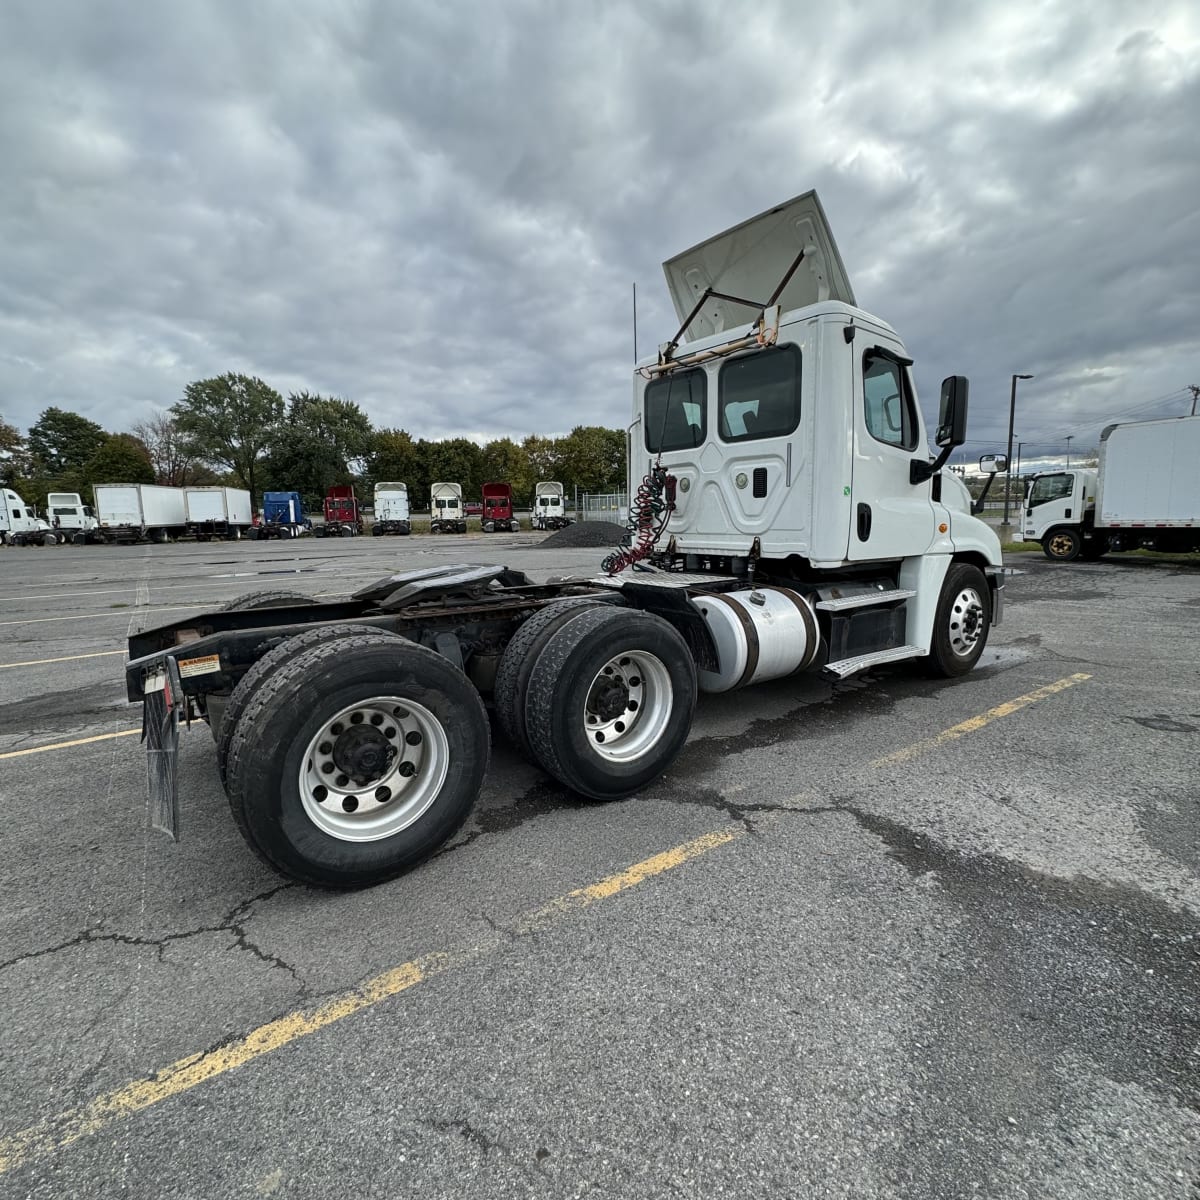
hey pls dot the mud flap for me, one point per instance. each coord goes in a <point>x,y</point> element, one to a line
<point>161,703</point>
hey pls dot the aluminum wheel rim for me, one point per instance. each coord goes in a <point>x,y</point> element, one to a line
<point>373,769</point>
<point>628,706</point>
<point>966,622</point>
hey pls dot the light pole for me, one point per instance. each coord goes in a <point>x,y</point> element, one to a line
<point>1069,437</point>
<point>1005,528</point>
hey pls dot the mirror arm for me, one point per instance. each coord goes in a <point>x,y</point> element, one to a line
<point>919,471</point>
<point>977,505</point>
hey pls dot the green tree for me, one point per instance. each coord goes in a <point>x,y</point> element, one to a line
<point>323,440</point>
<point>593,459</point>
<point>455,460</point>
<point>394,457</point>
<point>543,456</point>
<point>61,442</point>
<point>229,421</point>
<point>503,461</point>
<point>121,458</point>
<point>14,455</point>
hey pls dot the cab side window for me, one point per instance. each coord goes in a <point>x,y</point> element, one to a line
<point>888,402</point>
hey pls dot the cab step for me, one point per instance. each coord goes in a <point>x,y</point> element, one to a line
<point>863,599</point>
<point>860,662</point>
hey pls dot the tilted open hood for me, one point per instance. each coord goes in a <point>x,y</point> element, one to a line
<point>751,259</point>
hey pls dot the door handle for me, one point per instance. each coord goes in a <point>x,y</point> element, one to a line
<point>864,522</point>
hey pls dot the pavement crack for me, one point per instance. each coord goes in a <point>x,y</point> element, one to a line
<point>744,813</point>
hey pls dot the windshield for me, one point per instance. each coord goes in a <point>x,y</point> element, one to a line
<point>1051,487</point>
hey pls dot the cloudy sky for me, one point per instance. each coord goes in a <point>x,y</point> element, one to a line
<point>438,210</point>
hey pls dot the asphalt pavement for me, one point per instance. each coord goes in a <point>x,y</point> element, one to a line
<point>892,937</point>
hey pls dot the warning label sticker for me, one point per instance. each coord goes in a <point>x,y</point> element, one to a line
<point>199,666</point>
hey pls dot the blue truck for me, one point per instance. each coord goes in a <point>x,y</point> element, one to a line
<point>283,516</point>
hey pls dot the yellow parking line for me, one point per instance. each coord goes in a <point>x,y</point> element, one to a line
<point>100,737</point>
<point>975,723</point>
<point>37,662</point>
<point>63,1129</point>
<point>187,1073</point>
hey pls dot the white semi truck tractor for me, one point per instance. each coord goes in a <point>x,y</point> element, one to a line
<point>549,506</point>
<point>446,513</point>
<point>1143,495</point>
<point>792,516</point>
<point>391,510</point>
<point>71,518</point>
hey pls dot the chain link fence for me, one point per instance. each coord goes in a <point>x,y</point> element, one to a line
<point>604,506</point>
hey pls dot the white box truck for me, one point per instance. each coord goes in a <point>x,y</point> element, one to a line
<point>1143,494</point>
<point>446,513</point>
<point>132,512</point>
<point>222,512</point>
<point>71,518</point>
<point>549,506</point>
<point>20,525</point>
<point>391,510</point>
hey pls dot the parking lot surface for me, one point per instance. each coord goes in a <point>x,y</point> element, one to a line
<point>892,937</point>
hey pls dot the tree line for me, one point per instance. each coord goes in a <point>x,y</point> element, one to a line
<point>237,430</point>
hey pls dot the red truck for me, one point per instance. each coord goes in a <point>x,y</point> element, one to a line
<point>498,509</point>
<point>342,515</point>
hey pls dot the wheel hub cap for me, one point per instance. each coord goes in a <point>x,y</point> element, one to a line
<point>628,706</point>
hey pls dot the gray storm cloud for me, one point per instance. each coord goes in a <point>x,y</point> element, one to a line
<point>438,212</point>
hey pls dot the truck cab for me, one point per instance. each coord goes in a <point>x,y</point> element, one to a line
<point>342,516</point>
<point>20,525</point>
<point>391,514</point>
<point>1059,513</point>
<point>549,506</point>
<point>498,513</point>
<point>70,517</point>
<point>446,513</point>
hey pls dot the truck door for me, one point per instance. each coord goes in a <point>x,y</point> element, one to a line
<point>890,517</point>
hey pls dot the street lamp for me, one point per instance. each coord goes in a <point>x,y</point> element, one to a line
<point>1005,528</point>
<point>1069,437</point>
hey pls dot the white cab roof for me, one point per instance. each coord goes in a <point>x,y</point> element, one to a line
<point>751,259</point>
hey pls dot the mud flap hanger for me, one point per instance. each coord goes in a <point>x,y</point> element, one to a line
<point>162,702</point>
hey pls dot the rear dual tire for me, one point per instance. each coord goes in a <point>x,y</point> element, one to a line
<point>356,759</point>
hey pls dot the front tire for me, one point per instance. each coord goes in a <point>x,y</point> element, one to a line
<point>1063,544</point>
<point>962,623</point>
<point>610,703</point>
<point>356,760</point>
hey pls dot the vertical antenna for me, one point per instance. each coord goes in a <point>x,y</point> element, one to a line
<point>635,353</point>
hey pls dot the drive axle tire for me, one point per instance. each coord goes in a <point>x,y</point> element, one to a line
<point>356,760</point>
<point>518,659</point>
<point>1063,544</point>
<point>962,622</point>
<point>225,712</point>
<point>269,598</point>
<point>610,703</point>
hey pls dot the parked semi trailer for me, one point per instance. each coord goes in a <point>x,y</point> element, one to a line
<point>218,512</point>
<point>1144,494</point>
<point>549,506</point>
<point>498,515</point>
<point>446,509</point>
<point>132,512</point>
<point>20,525</point>
<point>774,536</point>
<point>282,517</point>
<point>391,510</point>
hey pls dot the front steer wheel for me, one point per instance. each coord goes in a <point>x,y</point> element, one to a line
<point>356,760</point>
<point>964,617</point>
<point>610,701</point>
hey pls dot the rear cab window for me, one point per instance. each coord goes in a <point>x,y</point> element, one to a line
<point>760,395</point>
<point>675,408</point>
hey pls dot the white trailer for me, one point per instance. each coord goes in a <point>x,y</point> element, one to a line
<point>446,513</point>
<point>20,525</point>
<point>70,517</point>
<point>131,512</point>
<point>391,510</point>
<point>1144,494</point>
<point>549,506</point>
<point>223,512</point>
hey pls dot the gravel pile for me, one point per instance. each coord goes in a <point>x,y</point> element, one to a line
<point>585,533</point>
